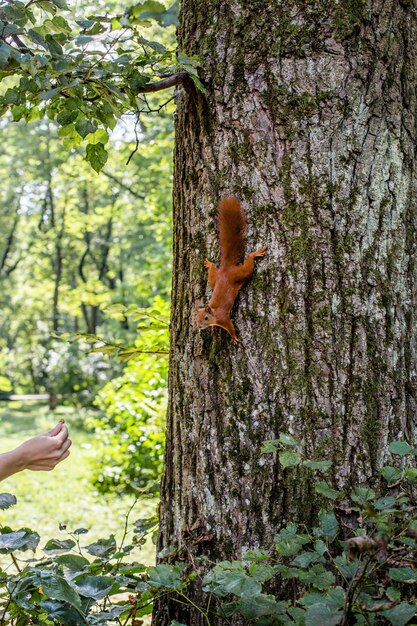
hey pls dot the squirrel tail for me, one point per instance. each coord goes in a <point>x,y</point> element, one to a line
<point>232,223</point>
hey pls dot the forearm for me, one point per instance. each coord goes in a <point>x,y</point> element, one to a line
<point>10,463</point>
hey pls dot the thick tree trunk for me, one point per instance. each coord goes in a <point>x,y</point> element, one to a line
<point>310,119</point>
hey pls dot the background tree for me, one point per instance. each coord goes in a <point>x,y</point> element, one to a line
<point>310,119</point>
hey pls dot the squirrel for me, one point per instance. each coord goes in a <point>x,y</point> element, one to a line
<point>227,279</point>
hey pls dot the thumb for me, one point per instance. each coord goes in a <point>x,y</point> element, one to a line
<point>57,429</point>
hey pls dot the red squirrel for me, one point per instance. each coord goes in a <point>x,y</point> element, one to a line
<point>227,279</point>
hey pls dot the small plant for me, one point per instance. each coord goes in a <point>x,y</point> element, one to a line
<point>357,565</point>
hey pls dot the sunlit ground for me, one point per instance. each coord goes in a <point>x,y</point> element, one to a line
<point>64,496</point>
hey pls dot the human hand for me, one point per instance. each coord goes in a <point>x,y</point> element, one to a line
<point>44,452</point>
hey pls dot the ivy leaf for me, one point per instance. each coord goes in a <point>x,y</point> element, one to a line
<point>402,574</point>
<point>23,539</point>
<point>289,459</point>
<point>102,547</point>
<point>362,495</point>
<point>400,447</point>
<point>57,588</point>
<point>7,500</point>
<point>97,156</point>
<point>269,446</point>
<point>62,612</point>
<point>57,546</point>
<point>260,605</point>
<point>288,440</point>
<point>95,587</point>
<point>165,576</point>
<point>74,563</point>
<point>317,465</point>
<point>411,473</point>
<point>318,577</point>
<point>288,542</point>
<point>391,474</point>
<point>321,614</point>
<point>329,525</point>
<point>401,614</point>
<point>324,490</point>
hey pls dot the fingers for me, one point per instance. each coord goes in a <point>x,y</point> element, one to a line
<point>62,435</point>
<point>67,444</point>
<point>56,429</point>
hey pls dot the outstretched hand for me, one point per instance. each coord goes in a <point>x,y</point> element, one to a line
<point>45,451</point>
<point>42,452</point>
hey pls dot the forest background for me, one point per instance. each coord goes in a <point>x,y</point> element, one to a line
<point>85,272</point>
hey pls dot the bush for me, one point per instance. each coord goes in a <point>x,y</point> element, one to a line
<point>131,426</point>
<point>134,405</point>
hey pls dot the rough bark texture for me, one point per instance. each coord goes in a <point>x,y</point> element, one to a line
<point>310,119</point>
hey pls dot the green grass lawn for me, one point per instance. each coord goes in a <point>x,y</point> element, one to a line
<point>64,496</point>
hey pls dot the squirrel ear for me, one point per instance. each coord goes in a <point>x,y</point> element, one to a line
<point>207,308</point>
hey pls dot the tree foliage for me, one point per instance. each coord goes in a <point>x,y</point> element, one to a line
<point>85,73</point>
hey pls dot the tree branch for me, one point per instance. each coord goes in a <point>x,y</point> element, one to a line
<point>164,83</point>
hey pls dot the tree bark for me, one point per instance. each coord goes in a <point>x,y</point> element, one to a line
<point>310,118</point>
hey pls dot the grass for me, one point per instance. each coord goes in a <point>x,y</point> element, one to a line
<point>46,500</point>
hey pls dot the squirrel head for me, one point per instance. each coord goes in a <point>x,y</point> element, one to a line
<point>205,316</point>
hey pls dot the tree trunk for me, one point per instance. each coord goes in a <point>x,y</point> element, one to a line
<point>310,119</point>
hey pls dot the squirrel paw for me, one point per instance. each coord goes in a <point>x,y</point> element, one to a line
<point>235,340</point>
<point>260,252</point>
<point>208,263</point>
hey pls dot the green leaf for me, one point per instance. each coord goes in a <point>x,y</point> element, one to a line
<point>72,562</point>
<point>57,546</point>
<point>99,136</point>
<point>402,574</point>
<point>165,576</point>
<point>362,495</point>
<point>95,587</point>
<point>288,440</point>
<point>269,446</point>
<point>57,588</point>
<point>318,577</point>
<point>305,559</point>
<point>23,539</point>
<point>288,542</point>
<point>321,614</point>
<point>66,117</point>
<point>384,503</point>
<point>317,465</point>
<point>230,578</point>
<point>324,490</point>
<point>97,156</point>
<point>261,572</point>
<point>197,82</point>
<point>400,447</point>
<point>329,525</point>
<point>102,547</point>
<point>259,605</point>
<point>149,6</point>
<point>6,501</point>
<point>84,127</point>
<point>411,473</point>
<point>401,614</point>
<point>289,459</point>
<point>47,95</point>
<point>391,474</point>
